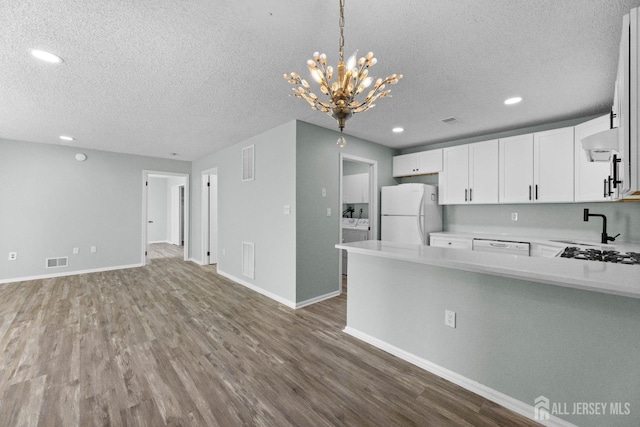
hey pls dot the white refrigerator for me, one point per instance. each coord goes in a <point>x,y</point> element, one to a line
<point>409,213</point>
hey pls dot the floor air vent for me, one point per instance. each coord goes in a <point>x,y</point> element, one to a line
<point>248,260</point>
<point>57,262</point>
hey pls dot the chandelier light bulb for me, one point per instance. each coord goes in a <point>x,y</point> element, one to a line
<point>342,141</point>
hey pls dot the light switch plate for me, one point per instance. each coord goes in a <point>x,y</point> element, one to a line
<point>324,192</point>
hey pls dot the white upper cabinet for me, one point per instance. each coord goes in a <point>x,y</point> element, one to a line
<point>591,178</point>
<point>537,168</point>
<point>421,163</point>
<point>516,169</point>
<point>355,188</point>
<point>553,165</point>
<point>470,174</point>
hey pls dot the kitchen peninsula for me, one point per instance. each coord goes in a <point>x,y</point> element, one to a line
<point>525,327</point>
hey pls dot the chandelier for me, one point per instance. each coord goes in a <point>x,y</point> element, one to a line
<point>352,80</point>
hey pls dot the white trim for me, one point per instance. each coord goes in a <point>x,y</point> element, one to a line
<point>162,241</point>
<point>196,261</point>
<point>69,273</point>
<point>145,209</point>
<point>373,201</point>
<point>501,399</point>
<point>318,299</point>
<point>268,294</point>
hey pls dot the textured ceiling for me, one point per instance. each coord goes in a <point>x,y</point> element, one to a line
<point>153,77</point>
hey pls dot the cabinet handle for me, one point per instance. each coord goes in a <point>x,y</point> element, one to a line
<point>616,181</point>
<point>465,194</point>
<point>605,189</point>
<point>529,192</point>
<point>536,191</point>
<point>471,194</point>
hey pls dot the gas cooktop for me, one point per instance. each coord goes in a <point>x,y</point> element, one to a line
<point>632,258</point>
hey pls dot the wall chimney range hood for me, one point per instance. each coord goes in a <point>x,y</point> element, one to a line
<point>601,146</point>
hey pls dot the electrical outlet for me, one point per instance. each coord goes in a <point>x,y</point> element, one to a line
<point>13,256</point>
<point>93,249</point>
<point>76,251</point>
<point>328,211</point>
<point>324,192</point>
<point>514,216</point>
<point>450,318</point>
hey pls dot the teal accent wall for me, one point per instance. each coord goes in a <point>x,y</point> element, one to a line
<point>317,167</point>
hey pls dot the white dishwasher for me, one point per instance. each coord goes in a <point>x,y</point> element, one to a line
<point>501,246</point>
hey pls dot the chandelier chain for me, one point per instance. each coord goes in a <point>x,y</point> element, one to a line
<point>341,23</point>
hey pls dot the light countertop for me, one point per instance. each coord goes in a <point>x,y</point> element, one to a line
<point>608,278</point>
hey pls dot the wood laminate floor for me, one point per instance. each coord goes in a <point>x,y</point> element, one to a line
<point>164,250</point>
<point>174,344</point>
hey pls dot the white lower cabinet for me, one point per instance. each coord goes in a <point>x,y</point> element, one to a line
<point>451,242</point>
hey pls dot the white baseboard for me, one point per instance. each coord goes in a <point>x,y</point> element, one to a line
<point>488,393</point>
<point>196,261</point>
<point>160,241</point>
<point>268,294</point>
<point>317,299</point>
<point>69,273</point>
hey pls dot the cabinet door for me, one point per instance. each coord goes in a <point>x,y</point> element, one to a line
<point>553,165</point>
<point>429,161</point>
<point>405,165</point>
<point>590,177</point>
<point>483,172</point>
<point>516,169</point>
<point>454,178</point>
<point>363,184</point>
<point>349,190</point>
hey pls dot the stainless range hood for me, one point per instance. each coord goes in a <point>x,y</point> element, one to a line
<point>601,146</point>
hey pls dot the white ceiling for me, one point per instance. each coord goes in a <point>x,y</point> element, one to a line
<point>153,77</point>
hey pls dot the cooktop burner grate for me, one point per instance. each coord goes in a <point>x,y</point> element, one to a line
<point>632,258</point>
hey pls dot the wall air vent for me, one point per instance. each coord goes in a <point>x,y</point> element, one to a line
<point>57,262</point>
<point>248,260</point>
<point>450,121</point>
<point>248,163</point>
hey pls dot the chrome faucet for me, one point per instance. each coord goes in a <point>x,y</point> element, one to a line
<point>605,237</point>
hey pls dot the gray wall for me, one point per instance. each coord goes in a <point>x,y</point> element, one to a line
<point>318,166</point>
<point>521,338</point>
<point>253,211</point>
<point>51,203</point>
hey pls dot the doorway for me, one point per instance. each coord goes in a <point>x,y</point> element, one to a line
<point>210,216</point>
<point>359,201</point>
<point>165,215</point>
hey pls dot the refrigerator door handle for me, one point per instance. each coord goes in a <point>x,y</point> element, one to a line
<point>419,218</point>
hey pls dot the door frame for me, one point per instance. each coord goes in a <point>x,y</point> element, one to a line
<point>374,212</point>
<point>205,238</point>
<point>145,210</point>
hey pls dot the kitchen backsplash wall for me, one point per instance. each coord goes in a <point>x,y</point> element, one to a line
<point>562,220</point>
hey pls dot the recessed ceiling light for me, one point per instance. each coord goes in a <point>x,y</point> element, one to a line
<point>398,130</point>
<point>66,138</point>
<point>512,101</point>
<point>46,56</point>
